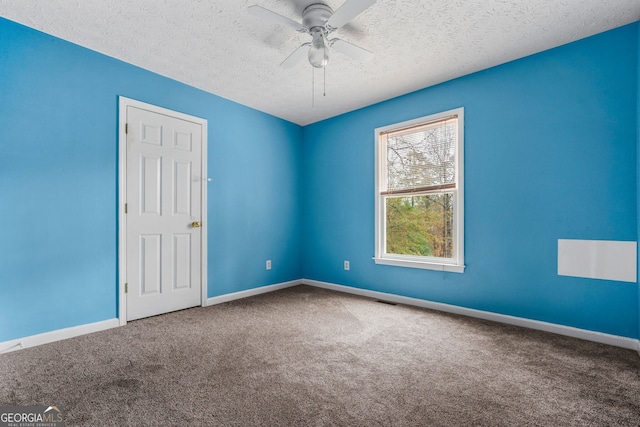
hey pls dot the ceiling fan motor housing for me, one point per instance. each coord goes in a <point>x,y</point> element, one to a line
<point>316,15</point>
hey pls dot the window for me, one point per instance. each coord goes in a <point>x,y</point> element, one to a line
<point>419,193</point>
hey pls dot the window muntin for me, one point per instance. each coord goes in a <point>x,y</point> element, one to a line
<point>419,192</point>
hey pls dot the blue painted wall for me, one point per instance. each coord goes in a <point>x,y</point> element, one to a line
<point>550,149</point>
<point>58,183</point>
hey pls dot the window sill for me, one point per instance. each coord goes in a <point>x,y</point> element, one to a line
<point>454,268</point>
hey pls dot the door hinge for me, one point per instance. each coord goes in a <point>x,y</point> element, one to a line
<point>126,208</point>
<point>126,288</point>
<point>126,128</point>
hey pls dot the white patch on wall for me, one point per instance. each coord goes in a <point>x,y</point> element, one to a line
<point>598,259</point>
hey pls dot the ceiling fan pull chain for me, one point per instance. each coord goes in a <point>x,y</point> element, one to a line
<point>324,81</point>
<point>313,88</point>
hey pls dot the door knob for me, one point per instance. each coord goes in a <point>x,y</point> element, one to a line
<point>195,224</point>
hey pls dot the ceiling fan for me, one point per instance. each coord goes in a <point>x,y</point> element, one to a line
<point>319,20</point>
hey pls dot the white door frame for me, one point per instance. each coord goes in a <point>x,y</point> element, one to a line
<point>122,199</point>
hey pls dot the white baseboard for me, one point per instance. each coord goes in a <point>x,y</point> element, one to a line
<point>584,334</point>
<point>251,292</point>
<point>57,335</point>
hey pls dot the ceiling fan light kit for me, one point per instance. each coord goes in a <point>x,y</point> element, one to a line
<point>319,50</point>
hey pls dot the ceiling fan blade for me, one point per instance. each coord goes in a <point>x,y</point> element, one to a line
<point>296,56</point>
<point>349,10</point>
<point>351,50</point>
<point>261,12</point>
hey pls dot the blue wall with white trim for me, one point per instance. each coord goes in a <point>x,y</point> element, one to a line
<point>550,153</point>
<point>58,183</point>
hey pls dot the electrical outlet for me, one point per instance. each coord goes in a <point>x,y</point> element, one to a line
<point>346,265</point>
<point>268,264</point>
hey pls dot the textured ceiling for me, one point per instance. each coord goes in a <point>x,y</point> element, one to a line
<point>218,47</point>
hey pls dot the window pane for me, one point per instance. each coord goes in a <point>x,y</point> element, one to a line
<point>420,225</point>
<point>422,158</point>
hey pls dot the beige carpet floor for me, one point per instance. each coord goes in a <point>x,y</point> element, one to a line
<point>305,356</point>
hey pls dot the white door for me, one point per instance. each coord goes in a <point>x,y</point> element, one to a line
<point>164,209</point>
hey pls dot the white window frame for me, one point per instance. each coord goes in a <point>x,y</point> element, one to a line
<point>455,264</point>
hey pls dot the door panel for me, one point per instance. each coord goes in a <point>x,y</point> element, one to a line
<point>150,264</point>
<point>182,188</point>
<point>164,197</point>
<point>150,185</point>
<point>181,257</point>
